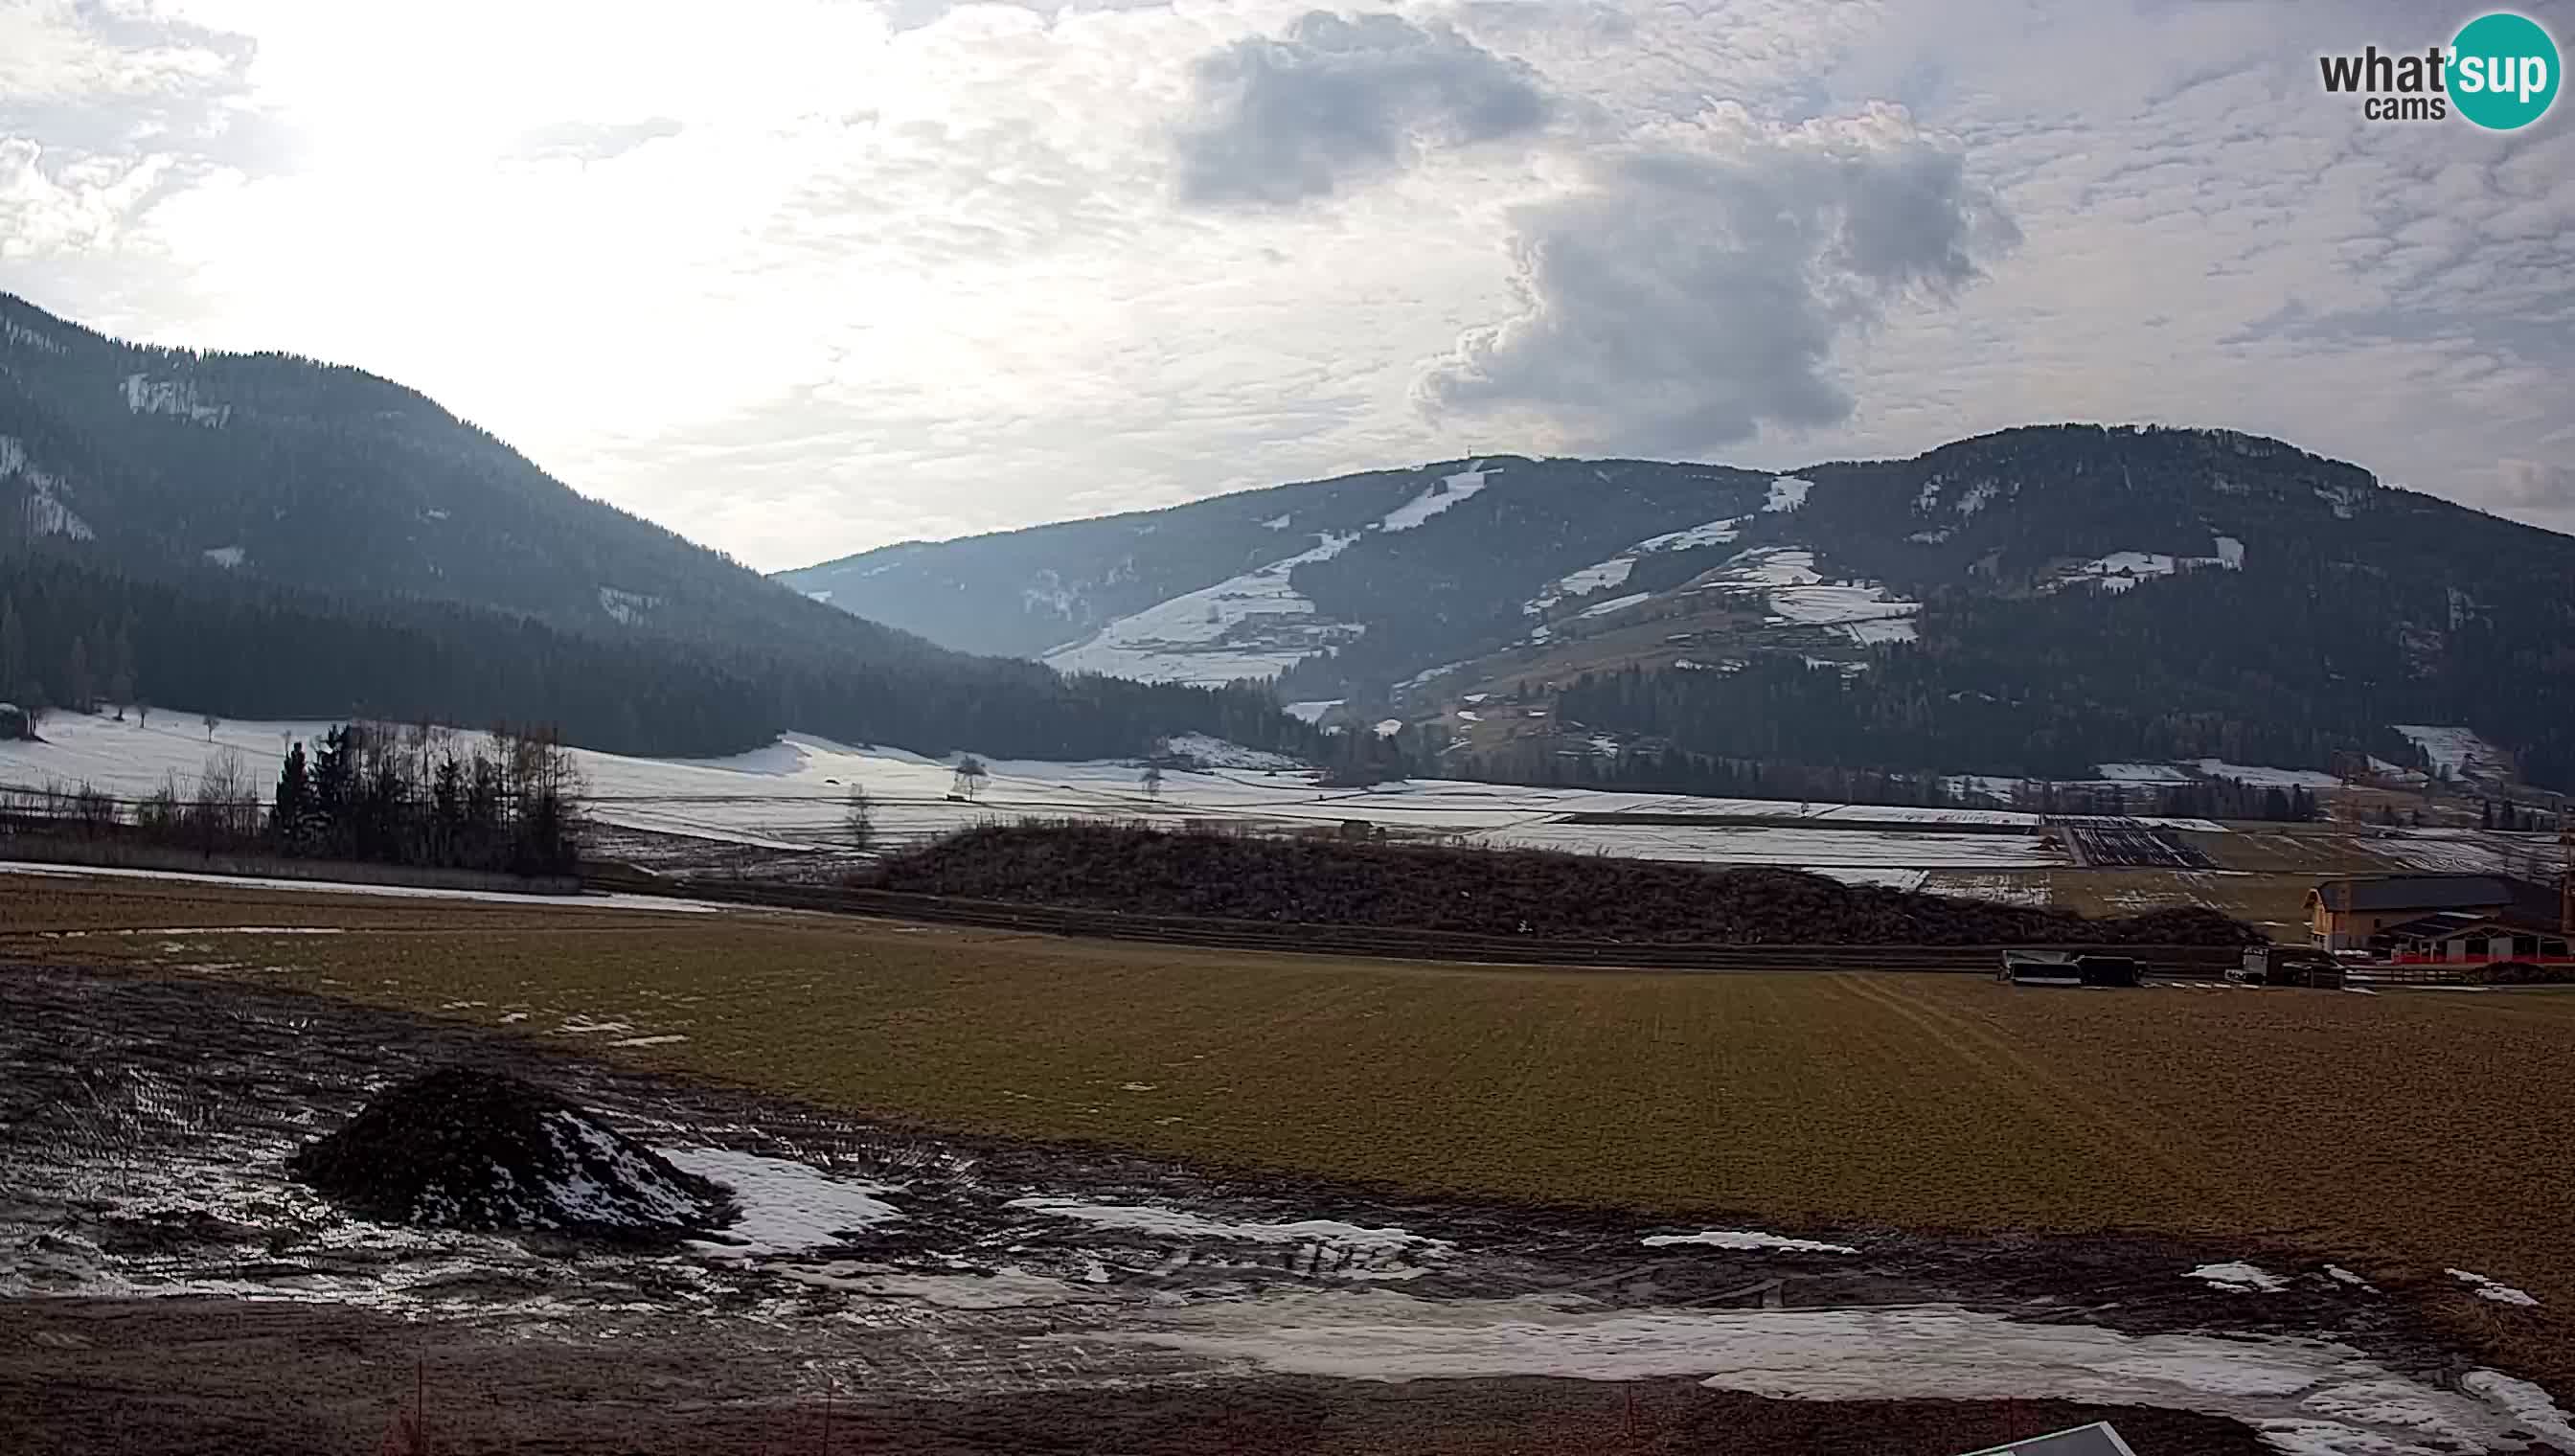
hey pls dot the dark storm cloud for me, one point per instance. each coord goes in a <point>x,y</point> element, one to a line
<point>1689,296</point>
<point>1276,121</point>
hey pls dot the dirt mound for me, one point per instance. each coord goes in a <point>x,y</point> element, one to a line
<point>1510,893</point>
<point>466,1148</point>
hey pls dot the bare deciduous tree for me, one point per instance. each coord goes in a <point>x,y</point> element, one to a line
<point>858,817</point>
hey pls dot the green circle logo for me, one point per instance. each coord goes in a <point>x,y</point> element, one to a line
<point>2503,71</point>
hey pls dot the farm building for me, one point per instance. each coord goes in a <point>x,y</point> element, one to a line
<point>2342,915</point>
<point>14,723</point>
<point>2472,937</point>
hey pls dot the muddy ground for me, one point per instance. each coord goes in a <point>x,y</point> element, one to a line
<point>163,1287</point>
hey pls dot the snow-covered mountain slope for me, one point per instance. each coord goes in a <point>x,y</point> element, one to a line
<point>2338,604</point>
<point>1365,567</point>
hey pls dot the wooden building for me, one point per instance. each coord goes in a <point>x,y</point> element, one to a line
<point>2342,915</point>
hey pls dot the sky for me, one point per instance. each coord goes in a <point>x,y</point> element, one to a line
<point>799,278</point>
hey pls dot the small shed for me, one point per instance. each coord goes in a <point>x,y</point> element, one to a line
<point>13,722</point>
<point>2097,1439</point>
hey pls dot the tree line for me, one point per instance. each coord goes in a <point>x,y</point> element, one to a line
<point>74,635</point>
<point>507,802</point>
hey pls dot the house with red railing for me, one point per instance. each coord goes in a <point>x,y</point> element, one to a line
<point>2346,914</point>
<point>2449,919</point>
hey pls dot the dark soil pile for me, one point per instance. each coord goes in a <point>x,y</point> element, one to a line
<point>466,1148</point>
<point>1487,892</point>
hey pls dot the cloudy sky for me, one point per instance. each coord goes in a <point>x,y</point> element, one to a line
<point>804,277</point>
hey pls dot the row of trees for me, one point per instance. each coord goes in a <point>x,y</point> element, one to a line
<point>426,795</point>
<point>73,635</point>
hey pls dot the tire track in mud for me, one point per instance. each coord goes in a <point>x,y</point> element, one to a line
<point>2050,1099</point>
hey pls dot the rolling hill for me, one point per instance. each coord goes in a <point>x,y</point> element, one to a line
<point>268,536</point>
<point>2032,601</point>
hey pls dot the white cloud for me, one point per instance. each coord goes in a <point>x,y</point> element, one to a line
<point>1697,287</point>
<point>807,276</point>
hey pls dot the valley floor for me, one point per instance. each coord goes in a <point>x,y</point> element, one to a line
<point>1150,1191</point>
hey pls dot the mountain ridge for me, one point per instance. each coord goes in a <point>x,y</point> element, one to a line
<point>213,496</point>
<point>2043,534</point>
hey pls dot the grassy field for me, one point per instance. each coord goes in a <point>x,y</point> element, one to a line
<point>2403,1133</point>
<point>2274,903</point>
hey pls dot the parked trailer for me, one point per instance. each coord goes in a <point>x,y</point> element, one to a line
<point>2070,968</point>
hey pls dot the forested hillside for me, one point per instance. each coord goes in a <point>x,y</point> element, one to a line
<point>264,535</point>
<point>2033,602</point>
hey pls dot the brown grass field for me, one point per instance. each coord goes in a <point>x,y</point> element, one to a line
<point>2401,1133</point>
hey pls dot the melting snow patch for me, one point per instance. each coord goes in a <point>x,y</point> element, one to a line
<point>1006,1288</point>
<point>1713,533</point>
<point>1615,603</point>
<point>787,1208</point>
<point>226,557</point>
<point>628,608</point>
<point>581,1026</point>
<point>2528,1404</point>
<point>2487,1288</point>
<point>1724,1238</point>
<point>1594,577</point>
<point>648,1040</point>
<point>1430,503</point>
<point>176,397</point>
<point>1387,727</point>
<point>2267,777</point>
<point>2449,746</point>
<point>2241,1277</point>
<point>1788,493</point>
<point>2307,1396</point>
<point>1209,751</point>
<point>1181,1224</point>
<point>1613,571</point>
<point>1276,523</point>
<point>1252,626</point>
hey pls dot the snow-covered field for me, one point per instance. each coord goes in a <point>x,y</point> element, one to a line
<point>2122,570</point>
<point>2307,1397</point>
<point>1797,595</point>
<point>2455,748</point>
<point>792,795</point>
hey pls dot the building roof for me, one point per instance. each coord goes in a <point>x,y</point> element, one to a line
<point>2097,1439</point>
<point>2449,924</point>
<point>2415,893</point>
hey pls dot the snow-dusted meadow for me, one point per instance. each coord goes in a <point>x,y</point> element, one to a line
<point>793,795</point>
